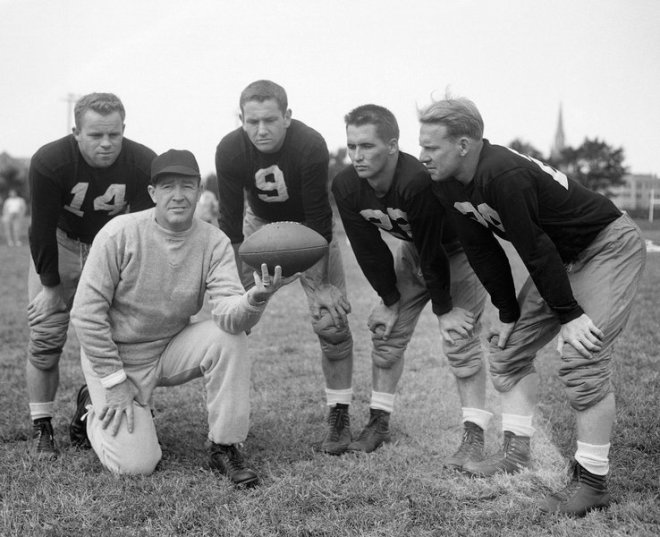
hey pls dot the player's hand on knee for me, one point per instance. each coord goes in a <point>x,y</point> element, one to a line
<point>500,332</point>
<point>49,300</point>
<point>456,324</point>
<point>330,298</point>
<point>118,401</point>
<point>382,319</point>
<point>583,335</point>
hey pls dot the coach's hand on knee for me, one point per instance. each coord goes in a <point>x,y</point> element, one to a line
<point>583,335</point>
<point>49,300</point>
<point>118,401</point>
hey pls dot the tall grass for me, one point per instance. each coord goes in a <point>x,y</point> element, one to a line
<point>401,489</point>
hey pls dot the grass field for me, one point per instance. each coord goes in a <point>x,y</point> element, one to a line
<point>401,489</point>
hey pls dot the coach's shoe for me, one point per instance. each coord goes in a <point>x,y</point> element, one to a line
<point>514,457</point>
<point>338,435</point>
<point>43,442</point>
<point>585,492</point>
<point>227,460</point>
<point>77,427</point>
<point>375,434</point>
<point>471,448</point>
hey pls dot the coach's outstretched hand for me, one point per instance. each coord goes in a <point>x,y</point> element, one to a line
<point>266,285</point>
<point>118,401</point>
<point>583,335</point>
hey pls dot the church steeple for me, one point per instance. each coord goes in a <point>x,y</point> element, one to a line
<point>559,143</point>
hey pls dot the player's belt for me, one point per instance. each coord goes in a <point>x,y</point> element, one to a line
<point>74,236</point>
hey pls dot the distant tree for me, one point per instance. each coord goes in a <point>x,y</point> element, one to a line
<point>595,164</point>
<point>526,148</point>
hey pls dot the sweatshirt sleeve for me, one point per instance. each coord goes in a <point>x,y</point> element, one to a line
<point>91,305</point>
<point>230,308</point>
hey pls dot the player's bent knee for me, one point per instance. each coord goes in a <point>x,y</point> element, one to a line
<point>336,349</point>
<point>45,362</point>
<point>585,389</point>
<point>336,341</point>
<point>385,359</point>
<point>465,361</point>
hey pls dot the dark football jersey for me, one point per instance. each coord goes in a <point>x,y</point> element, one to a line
<point>409,212</point>
<point>68,193</point>
<point>291,184</point>
<point>548,218</point>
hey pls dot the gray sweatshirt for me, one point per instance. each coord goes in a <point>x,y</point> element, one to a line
<point>141,283</point>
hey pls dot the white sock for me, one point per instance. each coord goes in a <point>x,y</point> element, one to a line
<point>518,425</point>
<point>593,458</point>
<point>382,401</point>
<point>42,410</point>
<point>333,397</point>
<point>477,416</point>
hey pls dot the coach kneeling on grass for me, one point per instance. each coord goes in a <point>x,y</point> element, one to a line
<point>146,274</point>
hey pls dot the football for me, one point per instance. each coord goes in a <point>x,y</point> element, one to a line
<point>291,245</point>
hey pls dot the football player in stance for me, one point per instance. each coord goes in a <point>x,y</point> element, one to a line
<point>585,259</point>
<point>386,189</point>
<point>281,166</point>
<point>146,274</point>
<point>77,184</point>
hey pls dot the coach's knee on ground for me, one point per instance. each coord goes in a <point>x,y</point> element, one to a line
<point>136,453</point>
<point>587,381</point>
<point>336,341</point>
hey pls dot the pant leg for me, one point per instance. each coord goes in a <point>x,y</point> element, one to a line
<point>135,453</point>
<point>47,337</point>
<point>535,328</point>
<point>414,296</point>
<point>465,355</point>
<point>203,350</point>
<point>604,280</point>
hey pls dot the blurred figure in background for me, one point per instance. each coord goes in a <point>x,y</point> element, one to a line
<point>208,207</point>
<point>13,214</point>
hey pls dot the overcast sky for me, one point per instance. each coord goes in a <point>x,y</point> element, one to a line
<point>179,67</point>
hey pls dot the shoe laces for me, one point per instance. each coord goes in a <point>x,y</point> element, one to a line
<point>338,419</point>
<point>44,432</point>
<point>472,440</point>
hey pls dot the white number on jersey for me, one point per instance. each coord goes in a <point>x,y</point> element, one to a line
<point>394,222</point>
<point>112,201</point>
<point>271,180</point>
<point>484,214</point>
<point>555,174</point>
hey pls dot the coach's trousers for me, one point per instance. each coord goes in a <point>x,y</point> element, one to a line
<point>199,350</point>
